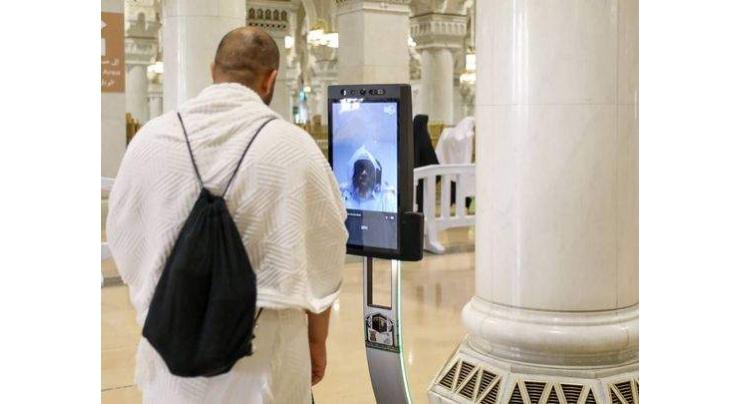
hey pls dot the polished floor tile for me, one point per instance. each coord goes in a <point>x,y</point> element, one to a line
<point>433,292</point>
<point>121,395</point>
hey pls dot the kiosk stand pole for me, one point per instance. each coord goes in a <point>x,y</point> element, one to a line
<point>383,342</point>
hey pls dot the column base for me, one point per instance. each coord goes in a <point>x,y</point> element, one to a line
<point>473,377</point>
<point>525,356</point>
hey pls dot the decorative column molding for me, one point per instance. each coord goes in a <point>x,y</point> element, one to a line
<point>438,38</point>
<point>277,17</point>
<point>274,16</point>
<point>373,56</point>
<point>141,47</point>
<point>436,30</point>
<point>397,6</point>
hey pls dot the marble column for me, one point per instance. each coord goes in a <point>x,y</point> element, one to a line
<point>438,37</point>
<point>294,91</point>
<point>373,41</point>
<point>324,75</point>
<point>142,31</point>
<point>137,85</point>
<point>555,314</point>
<point>277,17</point>
<point>192,31</point>
<point>458,104</point>
<point>155,99</point>
<point>467,95</point>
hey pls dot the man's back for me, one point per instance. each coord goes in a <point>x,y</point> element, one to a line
<point>284,200</point>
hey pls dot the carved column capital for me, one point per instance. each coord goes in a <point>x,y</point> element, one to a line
<point>141,51</point>
<point>142,33</point>
<point>344,6</point>
<point>434,30</point>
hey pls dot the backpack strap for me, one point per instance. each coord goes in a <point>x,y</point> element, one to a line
<point>192,157</point>
<point>190,150</point>
<point>236,170</point>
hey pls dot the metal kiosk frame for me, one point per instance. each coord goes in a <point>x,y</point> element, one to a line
<point>385,361</point>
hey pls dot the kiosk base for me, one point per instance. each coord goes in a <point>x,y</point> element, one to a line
<point>383,341</point>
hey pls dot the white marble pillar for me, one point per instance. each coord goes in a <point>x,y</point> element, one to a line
<point>556,304</point>
<point>324,75</point>
<point>322,95</point>
<point>142,44</point>
<point>277,17</point>
<point>467,95</point>
<point>373,41</point>
<point>294,91</point>
<point>458,104</point>
<point>438,37</point>
<point>137,85</point>
<point>155,99</point>
<point>281,102</point>
<point>192,31</point>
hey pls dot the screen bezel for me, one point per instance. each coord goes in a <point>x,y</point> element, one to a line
<point>363,249</point>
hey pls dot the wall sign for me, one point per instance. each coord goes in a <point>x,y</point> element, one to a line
<point>112,68</point>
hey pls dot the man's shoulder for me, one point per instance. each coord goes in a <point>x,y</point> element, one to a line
<point>292,133</point>
<point>163,124</point>
<point>288,139</point>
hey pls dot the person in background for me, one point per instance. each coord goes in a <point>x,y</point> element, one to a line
<point>455,146</point>
<point>424,154</point>
<point>285,203</point>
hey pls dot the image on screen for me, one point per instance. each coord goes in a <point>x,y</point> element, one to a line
<point>365,163</point>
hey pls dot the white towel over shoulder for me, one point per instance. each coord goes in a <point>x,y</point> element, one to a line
<point>284,200</point>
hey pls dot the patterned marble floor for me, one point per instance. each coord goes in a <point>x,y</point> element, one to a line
<point>434,291</point>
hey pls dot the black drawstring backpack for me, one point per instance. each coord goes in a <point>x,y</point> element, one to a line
<point>202,316</point>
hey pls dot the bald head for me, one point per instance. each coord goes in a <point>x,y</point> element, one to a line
<point>248,56</point>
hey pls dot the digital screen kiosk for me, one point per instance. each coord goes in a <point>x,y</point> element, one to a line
<point>371,154</point>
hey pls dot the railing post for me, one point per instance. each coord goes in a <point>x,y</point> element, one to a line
<point>431,241</point>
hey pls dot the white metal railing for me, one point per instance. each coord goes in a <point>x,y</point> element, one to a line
<point>464,177</point>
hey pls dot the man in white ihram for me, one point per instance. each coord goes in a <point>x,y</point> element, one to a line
<point>286,205</point>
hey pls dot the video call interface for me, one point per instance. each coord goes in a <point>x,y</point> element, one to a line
<point>365,160</point>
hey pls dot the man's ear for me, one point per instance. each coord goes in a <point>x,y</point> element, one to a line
<point>213,71</point>
<point>269,82</point>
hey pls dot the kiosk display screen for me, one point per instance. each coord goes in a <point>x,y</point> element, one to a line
<point>364,153</point>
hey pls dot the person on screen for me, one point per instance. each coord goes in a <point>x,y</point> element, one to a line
<point>287,208</point>
<point>366,190</point>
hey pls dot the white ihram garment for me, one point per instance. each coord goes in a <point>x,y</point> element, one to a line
<point>455,146</point>
<point>284,201</point>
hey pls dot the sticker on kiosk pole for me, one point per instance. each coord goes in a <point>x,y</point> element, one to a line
<point>380,332</point>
